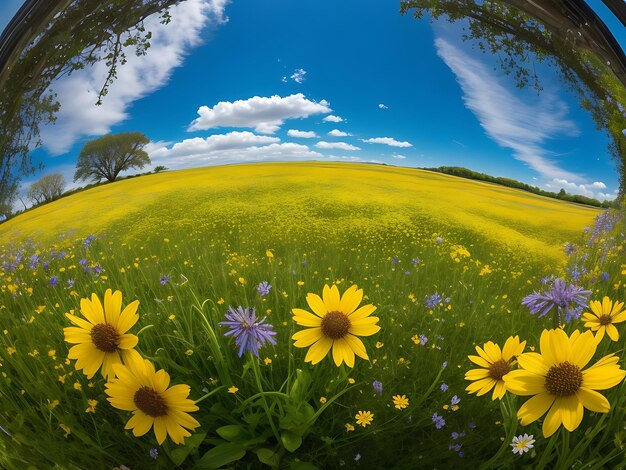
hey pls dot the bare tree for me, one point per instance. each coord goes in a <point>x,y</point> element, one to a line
<point>46,189</point>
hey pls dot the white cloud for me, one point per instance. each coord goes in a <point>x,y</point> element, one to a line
<point>265,115</point>
<point>336,145</point>
<point>301,134</point>
<point>140,76</point>
<point>510,121</point>
<point>338,133</point>
<point>188,153</point>
<point>214,143</point>
<point>332,118</point>
<point>402,157</point>
<point>589,189</point>
<point>382,106</point>
<point>387,141</point>
<point>298,76</point>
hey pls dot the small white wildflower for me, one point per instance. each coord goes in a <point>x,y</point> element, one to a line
<point>522,444</point>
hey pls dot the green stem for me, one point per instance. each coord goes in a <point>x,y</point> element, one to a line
<point>209,394</point>
<point>257,375</point>
<point>509,417</point>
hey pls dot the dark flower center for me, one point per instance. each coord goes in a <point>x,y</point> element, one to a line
<point>564,379</point>
<point>105,337</point>
<point>605,320</point>
<point>499,369</point>
<point>335,325</point>
<point>150,402</point>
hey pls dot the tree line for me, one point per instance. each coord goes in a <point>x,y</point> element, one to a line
<point>511,183</point>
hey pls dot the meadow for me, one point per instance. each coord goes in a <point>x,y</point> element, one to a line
<point>446,262</point>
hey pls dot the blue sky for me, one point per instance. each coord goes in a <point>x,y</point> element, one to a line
<point>231,82</point>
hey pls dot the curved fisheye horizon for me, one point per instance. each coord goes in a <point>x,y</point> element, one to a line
<point>290,112</point>
<point>309,235</point>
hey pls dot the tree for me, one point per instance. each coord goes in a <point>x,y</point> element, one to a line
<point>7,198</point>
<point>106,157</point>
<point>47,188</point>
<point>47,40</point>
<point>159,168</point>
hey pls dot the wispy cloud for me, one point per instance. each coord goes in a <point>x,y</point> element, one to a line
<point>508,120</point>
<point>336,145</point>
<point>387,141</point>
<point>301,134</point>
<point>298,76</point>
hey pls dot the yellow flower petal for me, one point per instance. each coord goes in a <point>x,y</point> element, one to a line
<point>307,337</point>
<point>351,299</point>
<point>593,400</point>
<point>523,383</point>
<point>362,312</point>
<point>552,420</point>
<point>357,346</point>
<point>304,318</point>
<point>476,374</point>
<point>318,350</point>
<point>316,304</point>
<point>571,412</point>
<point>612,332</point>
<point>533,362</point>
<point>479,361</point>
<point>535,407</point>
<point>331,298</point>
<point>582,349</point>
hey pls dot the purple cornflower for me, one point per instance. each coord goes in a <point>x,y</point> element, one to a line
<point>54,280</point>
<point>34,261</point>
<point>88,241</point>
<point>444,387</point>
<point>567,298</point>
<point>569,248</point>
<point>378,386</point>
<point>408,273</point>
<point>250,333</point>
<point>455,400</point>
<point>357,457</point>
<point>264,288</point>
<point>605,276</point>
<point>83,262</point>
<point>70,283</point>
<point>98,269</point>
<point>395,260</point>
<point>439,421</point>
<point>439,240</point>
<point>423,340</point>
<point>46,265</point>
<point>471,426</point>
<point>456,447</point>
<point>416,261</point>
<point>154,453</point>
<point>444,365</point>
<point>164,279</point>
<point>454,436</point>
<point>432,301</point>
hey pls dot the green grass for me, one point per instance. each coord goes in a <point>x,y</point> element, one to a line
<point>214,251</point>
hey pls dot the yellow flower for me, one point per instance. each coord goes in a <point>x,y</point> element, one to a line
<point>92,406</point>
<point>349,427</point>
<point>140,389</point>
<point>233,389</point>
<point>53,404</point>
<point>602,317</point>
<point>267,361</point>
<point>220,301</point>
<point>400,401</point>
<point>559,385</point>
<point>379,345</point>
<point>11,350</point>
<point>336,323</point>
<point>364,418</point>
<point>66,429</point>
<point>495,364</point>
<point>322,400</point>
<point>102,340</point>
<point>351,381</point>
<point>269,254</point>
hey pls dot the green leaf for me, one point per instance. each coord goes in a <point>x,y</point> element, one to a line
<point>268,457</point>
<point>230,432</point>
<point>291,441</point>
<point>181,453</point>
<point>303,466</point>
<point>221,455</point>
